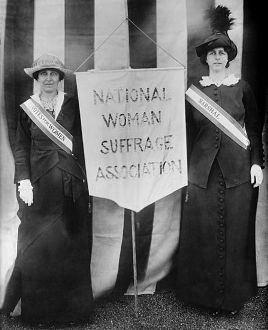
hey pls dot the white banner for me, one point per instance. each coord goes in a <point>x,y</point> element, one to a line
<point>133,124</point>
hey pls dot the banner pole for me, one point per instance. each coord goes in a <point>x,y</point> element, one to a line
<point>134,261</point>
<point>132,212</point>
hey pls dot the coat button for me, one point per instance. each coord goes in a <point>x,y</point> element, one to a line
<point>216,145</point>
<point>216,138</point>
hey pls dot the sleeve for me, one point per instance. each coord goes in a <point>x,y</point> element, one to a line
<point>190,129</point>
<point>78,148</point>
<point>253,126</point>
<point>22,148</point>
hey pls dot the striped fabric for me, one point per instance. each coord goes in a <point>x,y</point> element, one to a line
<point>72,29</point>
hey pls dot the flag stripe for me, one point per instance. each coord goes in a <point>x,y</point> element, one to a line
<point>144,222</point>
<point>18,53</point>
<point>108,224</point>
<point>171,33</point>
<point>142,55</point>
<point>79,38</point>
<point>108,217</point>
<point>253,55</point>
<point>197,29</point>
<point>143,52</point>
<point>18,41</point>
<point>165,239</point>
<point>125,265</point>
<point>8,224</point>
<point>111,35</point>
<point>45,28</point>
<point>163,234</point>
<point>253,71</point>
<point>144,229</point>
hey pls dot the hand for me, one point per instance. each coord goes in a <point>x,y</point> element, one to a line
<point>256,175</point>
<point>26,191</point>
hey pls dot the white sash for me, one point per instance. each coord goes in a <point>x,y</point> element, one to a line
<point>217,115</point>
<point>48,125</point>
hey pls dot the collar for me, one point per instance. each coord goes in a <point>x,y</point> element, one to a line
<point>228,81</point>
<point>59,103</point>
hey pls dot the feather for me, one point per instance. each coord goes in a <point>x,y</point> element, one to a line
<point>219,19</point>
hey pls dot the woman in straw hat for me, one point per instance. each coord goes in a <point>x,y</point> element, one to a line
<point>52,269</point>
<point>216,256</point>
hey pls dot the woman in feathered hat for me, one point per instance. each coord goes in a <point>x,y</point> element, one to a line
<point>52,269</point>
<point>216,257</point>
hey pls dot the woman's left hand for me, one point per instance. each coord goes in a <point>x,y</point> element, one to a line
<point>256,175</point>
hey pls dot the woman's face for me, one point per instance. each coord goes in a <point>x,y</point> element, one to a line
<point>217,59</point>
<point>48,80</point>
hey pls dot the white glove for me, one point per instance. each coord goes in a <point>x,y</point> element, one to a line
<point>256,175</point>
<point>26,191</point>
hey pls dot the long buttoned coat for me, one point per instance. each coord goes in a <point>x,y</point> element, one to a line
<point>206,142</point>
<point>52,269</point>
<point>36,153</point>
<point>216,256</point>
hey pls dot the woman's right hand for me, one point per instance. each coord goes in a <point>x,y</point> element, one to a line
<point>26,191</point>
<point>256,175</point>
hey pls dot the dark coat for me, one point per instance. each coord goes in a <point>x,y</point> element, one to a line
<point>52,268</point>
<point>218,219</point>
<point>206,142</point>
<point>36,154</point>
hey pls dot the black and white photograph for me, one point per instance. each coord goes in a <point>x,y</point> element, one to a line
<point>133,167</point>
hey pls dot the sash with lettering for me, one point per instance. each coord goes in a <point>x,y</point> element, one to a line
<point>217,115</point>
<point>48,125</point>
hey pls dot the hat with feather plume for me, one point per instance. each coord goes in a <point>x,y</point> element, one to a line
<point>220,23</point>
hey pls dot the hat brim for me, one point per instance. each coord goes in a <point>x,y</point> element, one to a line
<point>31,71</point>
<point>217,41</point>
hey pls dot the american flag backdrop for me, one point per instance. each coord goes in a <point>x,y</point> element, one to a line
<point>73,30</point>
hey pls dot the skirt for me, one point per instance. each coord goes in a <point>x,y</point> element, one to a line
<point>52,269</point>
<point>216,260</point>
